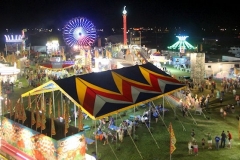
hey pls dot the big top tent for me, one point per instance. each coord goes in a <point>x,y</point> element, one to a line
<point>110,92</point>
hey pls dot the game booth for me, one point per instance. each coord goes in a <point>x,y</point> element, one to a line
<point>26,142</point>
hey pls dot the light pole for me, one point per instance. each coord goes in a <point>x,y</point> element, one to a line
<point>29,51</point>
<point>131,38</point>
<point>140,39</point>
<point>1,111</point>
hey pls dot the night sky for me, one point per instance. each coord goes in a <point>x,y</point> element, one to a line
<point>108,13</point>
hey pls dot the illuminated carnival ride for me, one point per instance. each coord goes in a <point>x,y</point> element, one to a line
<point>182,44</point>
<point>57,60</point>
<point>80,34</point>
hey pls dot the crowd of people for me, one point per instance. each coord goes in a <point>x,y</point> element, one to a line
<point>37,76</point>
<point>188,101</point>
<point>108,129</point>
<point>222,141</point>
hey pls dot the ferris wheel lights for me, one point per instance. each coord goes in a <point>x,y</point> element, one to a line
<point>75,47</point>
<point>79,31</point>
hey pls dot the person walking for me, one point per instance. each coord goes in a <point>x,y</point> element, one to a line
<point>224,114</point>
<point>193,134</point>
<point>209,140</point>
<point>223,139</point>
<point>155,115</point>
<point>221,111</point>
<point>190,147</point>
<point>203,143</point>
<point>221,100</point>
<point>105,138</point>
<point>233,108</point>
<point>229,139</point>
<point>120,134</point>
<point>217,140</point>
<point>195,148</point>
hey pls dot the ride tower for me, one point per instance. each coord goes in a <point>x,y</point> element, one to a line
<point>124,26</point>
<point>197,67</point>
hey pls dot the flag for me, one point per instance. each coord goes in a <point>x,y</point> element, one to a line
<point>29,102</point>
<point>42,104</point>
<point>33,121</point>
<point>16,112</point>
<point>53,130</point>
<point>64,108</point>
<point>11,110</point>
<point>80,120</point>
<point>24,117</point>
<point>43,121</point>
<point>38,118</point>
<point>50,106</point>
<point>59,110</point>
<point>172,139</point>
<point>20,111</point>
<point>66,119</point>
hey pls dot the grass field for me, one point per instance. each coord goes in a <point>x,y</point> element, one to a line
<point>154,145</point>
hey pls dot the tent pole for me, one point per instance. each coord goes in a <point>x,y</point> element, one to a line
<point>95,137</point>
<point>174,110</point>
<point>53,103</point>
<point>149,113</point>
<point>134,125</point>
<point>75,117</point>
<point>116,131</point>
<point>62,103</point>
<point>163,107</point>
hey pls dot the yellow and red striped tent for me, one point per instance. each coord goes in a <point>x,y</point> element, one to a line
<point>110,92</point>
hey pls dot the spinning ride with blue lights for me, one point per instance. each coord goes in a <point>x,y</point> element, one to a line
<point>79,31</point>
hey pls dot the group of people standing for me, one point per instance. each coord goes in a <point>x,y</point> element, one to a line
<point>221,141</point>
<point>192,145</point>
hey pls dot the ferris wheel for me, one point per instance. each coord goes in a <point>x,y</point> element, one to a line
<point>79,31</point>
